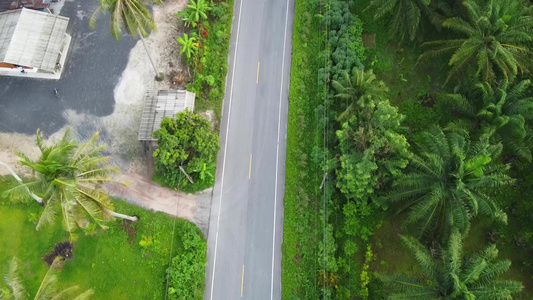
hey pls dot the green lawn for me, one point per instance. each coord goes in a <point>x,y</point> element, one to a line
<point>111,262</point>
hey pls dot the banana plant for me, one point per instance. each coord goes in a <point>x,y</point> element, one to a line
<point>189,45</point>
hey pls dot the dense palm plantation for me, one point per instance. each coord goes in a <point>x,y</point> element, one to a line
<point>453,274</point>
<point>451,162</point>
<point>405,15</point>
<point>69,181</point>
<point>493,42</point>
<point>503,113</point>
<point>447,182</point>
<point>49,288</point>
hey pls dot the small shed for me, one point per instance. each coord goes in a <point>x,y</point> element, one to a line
<point>159,104</point>
<point>32,39</point>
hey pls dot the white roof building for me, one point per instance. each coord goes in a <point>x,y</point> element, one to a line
<point>159,104</point>
<point>32,38</point>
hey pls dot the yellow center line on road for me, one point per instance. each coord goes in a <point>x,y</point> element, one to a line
<point>257,79</point>
<point>242,283</point>
<point>250,171</point>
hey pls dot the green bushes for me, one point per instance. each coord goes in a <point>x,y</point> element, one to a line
<point>345,47</point>
<point>187,152</point>
<point>208,64</point>
<point>187,271</point>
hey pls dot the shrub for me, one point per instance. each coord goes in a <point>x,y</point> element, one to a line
<point>187,270</point>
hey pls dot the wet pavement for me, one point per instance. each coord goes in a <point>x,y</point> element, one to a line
<point>94,65</point>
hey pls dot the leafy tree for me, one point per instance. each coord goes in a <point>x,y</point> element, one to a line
<point>133,15</point>
<point>453,276</point>
<point>187,270</point>
<point>502,113</point>
<point>188,45</point>
<point>49,289</point>
<point>69,179</point>
<point>360,91</point>
<point>187,151</point>
<point>194,13</point>
<point>372,150</point>
<point>494,40</point>
<point>405,15</point>
<point>448,181</point>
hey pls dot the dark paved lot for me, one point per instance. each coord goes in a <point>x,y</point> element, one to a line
<point>94,65</point>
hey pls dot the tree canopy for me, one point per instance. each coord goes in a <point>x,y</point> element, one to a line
<point>49,289</point>
<point>452,275</point>
<point>447,182</point>
<point>131,14</point>
<point>69,181</point>
<point>494,41</point>
<point>187,151</point>
<point>503,113</point>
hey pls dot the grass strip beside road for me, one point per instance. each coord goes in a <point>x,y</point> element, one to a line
<point>299,249</point>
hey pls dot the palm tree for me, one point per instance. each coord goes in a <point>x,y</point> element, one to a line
<point>495,40</point>
<point>47,290</point>
<point>195,11</point>
<point>404,15</point>
<point>448,182</point>
<point>361,91</point>
<point>69,178</point>
<point>133,15</point>
<point>453,276</point>
<point>501,112</point>
<point>188,45</point>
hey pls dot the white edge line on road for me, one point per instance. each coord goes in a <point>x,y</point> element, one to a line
<point>277,152</point>
<point>225,148</point>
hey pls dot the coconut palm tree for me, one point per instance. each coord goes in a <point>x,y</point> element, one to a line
<point>495,40</point>
<point>188,45</point>
<point>361,90</point>
<point>131,14</point>
<point>448,181</point>
<point>501,113</point>
<point>69,179</point>
<point>14,289</point>
<point>404,15</point>
<point>452,275</point>
<point>194,13</point>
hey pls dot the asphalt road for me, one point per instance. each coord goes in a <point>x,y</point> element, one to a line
<point>246,222</point>
<point>94,65</point>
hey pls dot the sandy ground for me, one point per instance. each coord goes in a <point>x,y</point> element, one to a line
<point>119,130</point>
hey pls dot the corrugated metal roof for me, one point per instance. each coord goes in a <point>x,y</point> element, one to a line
<point>31,38</point>
<point>159,104</point>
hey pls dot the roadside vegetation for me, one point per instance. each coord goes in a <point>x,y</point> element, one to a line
<point>421,114</point>
<point>204,46</point>
<point>186,158</point>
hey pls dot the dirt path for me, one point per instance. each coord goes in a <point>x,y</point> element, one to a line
<point>145,193</point>
<point>119,130</point>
